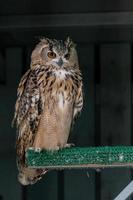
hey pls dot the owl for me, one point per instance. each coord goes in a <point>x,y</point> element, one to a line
<point>49,98</point>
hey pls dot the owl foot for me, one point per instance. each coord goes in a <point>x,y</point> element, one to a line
<point>69,145</point>
<point>37,149</point>
<point>52,149</point>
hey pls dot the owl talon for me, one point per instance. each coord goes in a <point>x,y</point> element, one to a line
<point>69,145</point>
<point>54,149</point>
<point>31,148</point>
<point>38,150</point>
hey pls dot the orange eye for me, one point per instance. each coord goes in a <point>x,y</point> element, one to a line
<point>51,54</point>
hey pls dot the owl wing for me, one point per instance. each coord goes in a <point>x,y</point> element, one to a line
<point>20,92</point>
<point>78,104</point>
<point>29,106</point>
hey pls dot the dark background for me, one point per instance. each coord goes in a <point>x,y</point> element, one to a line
<point>103,31</point>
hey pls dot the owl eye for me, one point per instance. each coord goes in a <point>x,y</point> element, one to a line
<point>67,56</point>
<point>51,54</point>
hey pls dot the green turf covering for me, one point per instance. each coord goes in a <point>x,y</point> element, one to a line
<point>81,157</point>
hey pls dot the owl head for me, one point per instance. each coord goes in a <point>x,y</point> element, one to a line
<point>57,53</point>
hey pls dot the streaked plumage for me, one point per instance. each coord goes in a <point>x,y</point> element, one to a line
<point>49,98</point>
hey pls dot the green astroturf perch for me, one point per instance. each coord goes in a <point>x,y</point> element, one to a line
<point>81,157</point>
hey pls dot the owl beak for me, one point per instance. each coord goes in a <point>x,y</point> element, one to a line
<point>60,62</point>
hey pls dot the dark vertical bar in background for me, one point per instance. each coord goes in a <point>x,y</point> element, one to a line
<point>131,104</point>
<point>25,57</point>
<point>115,110</point>
<point>131,96</point>
<point>2,66</point>
<point>97,116</point>
<point>97,96</point>
<point>24,193</point>
<point>1,197</point>
<point>60,192</point>
<point>76,183</point>
<point>23,70</point>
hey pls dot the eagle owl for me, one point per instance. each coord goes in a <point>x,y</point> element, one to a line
<point>48,99</point>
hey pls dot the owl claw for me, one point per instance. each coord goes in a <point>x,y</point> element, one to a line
<point>38,150</point>
<point>56,148</point>
<point>69,145</point>
<point>31,148</point>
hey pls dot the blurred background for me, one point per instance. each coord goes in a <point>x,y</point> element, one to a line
<point>103,31</point>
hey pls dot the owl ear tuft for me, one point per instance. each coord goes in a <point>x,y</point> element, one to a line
<point>69,43</point>
<point>45,40</point>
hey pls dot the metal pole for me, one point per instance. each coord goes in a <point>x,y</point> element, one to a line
<point>126,192</point>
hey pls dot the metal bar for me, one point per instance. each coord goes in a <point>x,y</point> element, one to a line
<point>126,192</point>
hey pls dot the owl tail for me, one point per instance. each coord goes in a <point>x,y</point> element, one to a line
<point>30,176</point>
